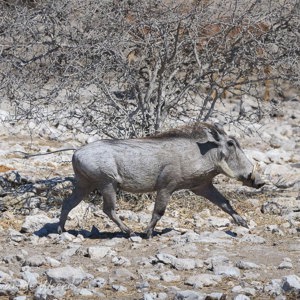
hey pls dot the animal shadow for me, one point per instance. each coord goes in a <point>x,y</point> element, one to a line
<point>94,233</point>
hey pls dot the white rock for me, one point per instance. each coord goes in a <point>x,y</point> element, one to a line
<point>85,292</point>
<point>227,271</point>
<point>286,264</point>
<point>218,222</point>
<point>98,252</point>
<point>7,289</point>
<point>31,278</point>
<point>68,253</point>
<point>241,297</point>
<point>273,288</point>
<point>119,288</point>
<point>189,295</point>
<point>136,239</point>
<point>179,263</point>
<point>4,277</point>
<point>21,284</point>
<point>36,222</point>
<point>98,282</point>
<point>83,209</point>
<point>202,280</point>
<point>15,235</point>
<point>252,238</point>
<point>52,261</point>
<point>20,298</point>
<point>121,261</point>
<point>245,290</point>
<point>247,265</point>
<point>67,275</point>
<point>49,292</point>
<point>169,276</point>
<point>291,283</point>
<point>65,236</point>
<point>35,261</point>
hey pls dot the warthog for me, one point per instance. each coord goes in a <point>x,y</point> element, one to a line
<point>184,158</point>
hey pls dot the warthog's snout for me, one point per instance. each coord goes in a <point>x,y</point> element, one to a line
<point>254,180</point>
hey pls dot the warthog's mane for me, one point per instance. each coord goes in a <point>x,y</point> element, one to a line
<point>195,131</point>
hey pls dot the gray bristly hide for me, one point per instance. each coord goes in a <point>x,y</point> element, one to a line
<point>184,158</point>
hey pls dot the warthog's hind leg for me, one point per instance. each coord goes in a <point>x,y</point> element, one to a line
<point>213,195</point>
<point>109,207</point>
<point>69,203</point>
<point>161,202</point>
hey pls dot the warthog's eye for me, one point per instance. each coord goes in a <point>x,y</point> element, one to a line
<point>230,143</point>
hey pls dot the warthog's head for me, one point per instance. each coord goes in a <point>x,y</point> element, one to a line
<point>230,158</point>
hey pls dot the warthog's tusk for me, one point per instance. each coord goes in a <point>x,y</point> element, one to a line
<point>225,168</point>
<point>254,171</point>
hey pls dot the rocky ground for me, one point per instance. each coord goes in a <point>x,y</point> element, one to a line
<point>196,253</point>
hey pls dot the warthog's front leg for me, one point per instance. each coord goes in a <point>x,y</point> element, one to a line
<point>213,195</point>
<point>109,207</point>
<point>161,202</point>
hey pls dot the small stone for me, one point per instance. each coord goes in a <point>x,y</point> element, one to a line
<point>121,261</point>
<point>241,297</point>
<point>189,295</point>
<point>216,296</point>
<point>21,284</point>
<point>49,292</point>
<point>218,222</point>
<point>98,282</point>
<point>245,290</point>
<point>227,271</point>
<point>179,263</point>
<point>187,264</point>
<point>30,278</point>
<point>202,280</point>
<point>246,265</point>
<point>66,254</point>
<point>35,261</point>
<point>169,276</point>
<point>122,274</point>
<point>98,252</point>
<point>67,275</point>
<point>7,289</point>
<point>142,285</point>
<point>136,239</point>
<point>65,236</point>
<point>291,283</point>
<point>273,288</point>
<point>85,292</point>
<point>52,262</point>
<point>16,236</point>
<point>36,223</point>
<point>20,298</point>
<point>252,238</point>
<point>119,288</point>
<point>285,265</point>
<point>4,276</point>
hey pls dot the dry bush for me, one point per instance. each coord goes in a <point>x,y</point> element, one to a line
<point>128,68</point>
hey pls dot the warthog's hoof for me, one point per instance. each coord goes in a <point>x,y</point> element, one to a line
<point>149,233</point>
<point>60,229</point>
<point>132,234</point>
<point>240,221</point>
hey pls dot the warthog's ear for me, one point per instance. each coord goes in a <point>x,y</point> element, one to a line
<point>206,146</point>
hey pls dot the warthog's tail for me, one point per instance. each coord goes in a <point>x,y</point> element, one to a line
<point>28,155</point>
